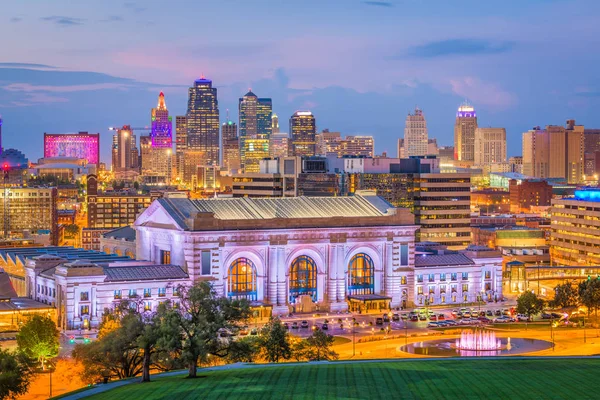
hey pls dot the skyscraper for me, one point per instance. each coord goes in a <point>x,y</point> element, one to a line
<point>231,146</point>
<point>180,144</point>
<point>275,123</point>
<point>255,123</point>
<point>145,150</point>
<point>203,121</point>
<point>162,130</point>
<point>124,152</point>
<point>464,133</point>
<point>415,134</point>
<point>490,146</point>
<point>1,134</point>
<point>81,145</point>
<point>303,130</point>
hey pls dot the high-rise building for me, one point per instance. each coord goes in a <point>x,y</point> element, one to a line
<point>203,121</point>
<point>432,147</point>
<point>302,139</point>
<point>490,146</point>
<point>527,194</point>
<point>464,133</point>
<point>124,152</point>
<point>180,143</point>
<point>162,129</point>
<point>256,122</point>
<point>415,134</point>
<point>278,145</point>
<point>145,154</point>
<point>555,152</point>
<point>446,152</point>
<point>255,150</point>
<point>274,123</point>
<point>80,145</point>
<point>361,146</point>
<point>231,146</point>
<point>1,133</point>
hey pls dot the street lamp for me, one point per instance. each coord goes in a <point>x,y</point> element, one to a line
<point>353,337</point>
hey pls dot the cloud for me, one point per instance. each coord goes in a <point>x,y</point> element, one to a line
<point>26,87</point>
<point>24,65</point>
<point>378,3</point>
<point>16,19</point>
<point>484,93</point>
<point>134,7</point>
<point>32,99</point>
<point>64,21</point>
<point>459,47</point>
<point>113,18</point>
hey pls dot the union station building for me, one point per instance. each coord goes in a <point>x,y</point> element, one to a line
<point>307,254</point>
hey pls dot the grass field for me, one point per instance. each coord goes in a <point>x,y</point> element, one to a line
<point>425,379</point>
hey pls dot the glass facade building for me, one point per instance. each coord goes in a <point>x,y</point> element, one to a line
<point>255,116</point>
<point>162,127</point>
<point>303,134</point>
<point>203,120</point>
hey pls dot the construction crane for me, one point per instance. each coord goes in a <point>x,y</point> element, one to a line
<point>145,128</point>
<point>6,170</point>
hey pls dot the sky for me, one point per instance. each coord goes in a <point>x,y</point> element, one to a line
<point>359,66</point>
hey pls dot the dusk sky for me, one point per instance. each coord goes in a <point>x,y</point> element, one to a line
<point>360,66</point>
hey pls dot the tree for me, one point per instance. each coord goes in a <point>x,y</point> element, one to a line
<point>15,374</point>
<point>192,329</point>
<point>38,339</point>
<point>529,304</point>
<point>243,350</point>
<point>317,347</point>
<point>589,294</point>
<point>566,295</point>
<point>275,341</point>
<point>72,230</point>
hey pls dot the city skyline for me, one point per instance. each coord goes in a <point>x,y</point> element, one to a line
<point>435,69</point>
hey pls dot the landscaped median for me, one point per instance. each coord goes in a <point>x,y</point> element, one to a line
<point>484,378</point>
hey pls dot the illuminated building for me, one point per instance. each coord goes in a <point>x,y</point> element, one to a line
<point>575,223</point>
<point>302,140</point>
<point>464,133</point>
<point>162,129</point>
<point>442,207</point>
<point>529,193</point>
<point>192,159</point>
<point>415,134</point>
<point>305,254</point>
<point>145,150</point>
<point>203,121</point>
<point>180,144</point>
<point>446,152</point>
<point>17,164</point>
<point>231,147</point>
<point>255,150</point>
<point>274,123</point>
<point>490,146</point>
<point>256,122</point>
<point>360,146</point>
<point>1,134</point>
<point>278,145</point>
<point>490,201</point>
<point>81,145</point>
<point>555,152</point>
<point>125,155</point>
<point>29,209</point>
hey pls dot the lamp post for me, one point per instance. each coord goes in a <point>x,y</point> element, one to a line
<point>353,337</point>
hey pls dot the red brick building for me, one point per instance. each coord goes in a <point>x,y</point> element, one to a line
<point>529,193</point>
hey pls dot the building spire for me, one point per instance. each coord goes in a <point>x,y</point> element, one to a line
<point>161,102</point>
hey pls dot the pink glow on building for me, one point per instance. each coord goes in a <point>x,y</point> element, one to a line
<point>80,145</point>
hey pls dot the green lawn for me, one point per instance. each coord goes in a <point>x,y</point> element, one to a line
<point>501,378</point>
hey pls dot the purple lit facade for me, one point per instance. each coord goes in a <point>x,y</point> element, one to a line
<point>162,127</point>
<point>81,145</point>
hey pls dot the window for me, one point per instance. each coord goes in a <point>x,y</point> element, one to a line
<point>419,289</point>
<point>488,286</point>
<point>453,288</point>
<point>403,254</point>
<point>465,276</point>
<point>431,289</point>
<point>242,279</point>
<point>117,294</point>
<point>419,278</point>
<point>132,293</point>
<point>147,292</point>
<point>205,262</point>
<point>488,274</point>
<point>147,306</point>
<point>84,296</point>
<point>403,280</point>
<point>465,287</point>
<point>443,277</point>
<point>453,276</point>
<point>431,277</point>
<point>443,289</point>
<point>361,275</point>
<point>165,257</point>
<point>39,288</point>
<point>162,292</point>
<point>303,278</point>
<point>176,291</point>
<point>85,310</point>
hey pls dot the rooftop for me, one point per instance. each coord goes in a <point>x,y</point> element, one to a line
<point>144,273</point>
<point>126,233</point>
<point>442,260</point>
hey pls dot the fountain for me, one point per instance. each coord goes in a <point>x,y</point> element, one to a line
<point>478,340</point>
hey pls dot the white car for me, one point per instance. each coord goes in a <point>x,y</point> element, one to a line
<point>522,318</point>
<point>503,319</point>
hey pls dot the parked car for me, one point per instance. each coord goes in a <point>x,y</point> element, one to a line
<point>498,313</point>
<point>441,317</point>
<point>244,330</point>
<point>506,311</point>
<point>386,318</point>
<point>414,318</point>
<point>254,332</point>
<point>556,316</point>
<point>489,313</point>
<point>304,324</point>
<point>451,322</point>
<point>379,321</point>
<point>433,325</point>
<point>522,318</point>
<point>466,321</point>
<point>546,316</point>
<point>433,317</point>
<point>503,319</point>
<point>482,313</point>
<point>484,320</point>
<point>294,325</point>
<point>454,313</point>
<point>285,325</point>
<point>325,326</point>
<point>422,317</point>
<point>404,316</point>
<point>466,314</point>
<point>395,317</point>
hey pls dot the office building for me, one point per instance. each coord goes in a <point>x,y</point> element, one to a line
<point>256,123</point>
<point>415,134</point>
<point>145,152</point>
<point>302,139</point>
<point>490,146</point>
<point>464,133</point>
<point>278,145</point>
<point>231,147</point>
<point>125,155</point>
<point>255,150</point>
<point>442,208</point>
<point>575,237</point>
<point>82,145</point>
<point>446,152</point>
<point>180,144</point>
<point>555,152</point>
<point>162,127</point>
<point>357,146</point>
<point>528,195</point>
<point>274,123</point>
<point>202,121</point>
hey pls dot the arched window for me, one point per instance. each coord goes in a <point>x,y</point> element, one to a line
<point>361,275</point>
<point>303,278</point>
<point>242,280</point>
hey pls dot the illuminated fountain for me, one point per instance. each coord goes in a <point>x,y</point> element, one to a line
<point>478,340</point>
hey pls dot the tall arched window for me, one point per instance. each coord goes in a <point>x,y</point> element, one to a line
<point>303,278</point>
<point>361,275</point>
<point>242,280</point>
